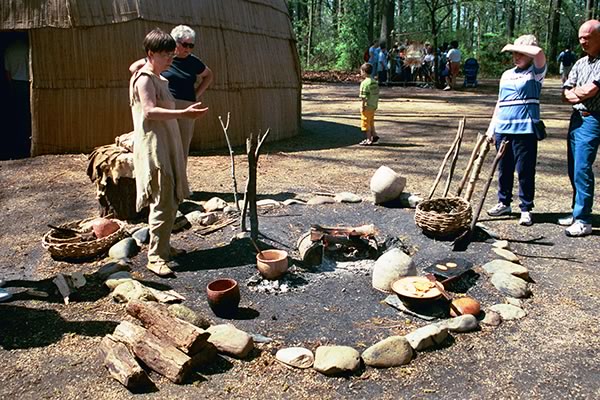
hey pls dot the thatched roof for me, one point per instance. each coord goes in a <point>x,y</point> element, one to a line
<point>227,14</point>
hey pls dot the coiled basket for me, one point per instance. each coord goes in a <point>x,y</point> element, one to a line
<point>75,248</point>
<point>443,216</point>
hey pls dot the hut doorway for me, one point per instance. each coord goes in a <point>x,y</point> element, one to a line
<point>15,117</point>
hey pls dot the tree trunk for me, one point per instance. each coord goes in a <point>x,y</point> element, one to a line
<point>554,32</point>
<point>371,27</point>
<point>387,20</point>
<point>186,337</point>
<point>510,18</point>
<point>589,9</point>
<point>458,17</point>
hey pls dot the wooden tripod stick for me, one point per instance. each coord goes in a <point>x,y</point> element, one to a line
<point>477,169</point>
<point>439,175</point>
<point>461,131</point>
<point>499,155</point>
<point>461,186</point>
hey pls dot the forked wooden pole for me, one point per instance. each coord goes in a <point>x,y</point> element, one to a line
<point>439,175</point>
<point>460,133</point>
<point>477,169</point>
<point>461,186</point>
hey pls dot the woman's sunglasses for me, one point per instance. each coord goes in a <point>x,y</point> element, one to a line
<point>187,45</point>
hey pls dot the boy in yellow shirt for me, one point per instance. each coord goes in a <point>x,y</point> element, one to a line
<point>369,94</point>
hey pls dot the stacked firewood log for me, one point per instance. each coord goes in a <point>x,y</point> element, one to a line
<point>170,346</point>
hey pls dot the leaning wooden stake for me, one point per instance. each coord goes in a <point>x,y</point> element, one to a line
<point>461,186</point>
<point>439,175</point>
<point>463,241</point>
<point>235,191</point>
<point>253,146</point>
<point>461,131</point>
<point>477,169</point>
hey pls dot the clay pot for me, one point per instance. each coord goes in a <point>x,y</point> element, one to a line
<point>103,227</point>
<point>466,305</point>
<point>272,263</point>
<point>223,297</point>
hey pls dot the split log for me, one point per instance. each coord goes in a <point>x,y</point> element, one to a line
<point>159,355</point>
<point>186,337</point>
<point>122,365</point>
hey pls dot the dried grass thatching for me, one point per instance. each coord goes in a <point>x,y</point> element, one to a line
<point>81,50</point>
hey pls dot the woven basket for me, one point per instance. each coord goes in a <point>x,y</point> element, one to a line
<point>443,216</point>
<point>77,249</point>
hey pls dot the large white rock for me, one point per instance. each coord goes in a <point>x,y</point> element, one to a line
<point>298,357</point>
<point>462,323</point>
<point>230,340</point>
<point>390,352</point>
<point>118,278</point>
<point>386,185</point>
<point>427,336</point>
<point>332,360</point>
<point>215,204</point>
<point>391,266</point>
<point>507,255</point>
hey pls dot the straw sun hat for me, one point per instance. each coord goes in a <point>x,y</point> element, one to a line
<point>524,40</point>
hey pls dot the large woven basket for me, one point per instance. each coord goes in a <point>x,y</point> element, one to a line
<point>443,216</point>
<point>75,249</point>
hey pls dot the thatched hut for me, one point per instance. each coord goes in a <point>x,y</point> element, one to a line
<point>80,51</point>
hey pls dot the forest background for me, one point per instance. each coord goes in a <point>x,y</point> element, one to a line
<point>334,34</point>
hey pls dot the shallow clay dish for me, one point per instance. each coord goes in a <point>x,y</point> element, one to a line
<point>416,287</point>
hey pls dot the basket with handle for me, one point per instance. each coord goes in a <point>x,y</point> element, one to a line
<point>75,248</point>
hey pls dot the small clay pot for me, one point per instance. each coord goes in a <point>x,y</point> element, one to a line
<point>272,263</point>
<point>223,297</point>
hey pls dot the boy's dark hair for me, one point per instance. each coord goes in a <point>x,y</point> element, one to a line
<point>454,44</point>
<point>366,68</point>
<point>158,40</point>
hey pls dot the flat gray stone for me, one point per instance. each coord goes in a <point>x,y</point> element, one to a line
<point>298,357</point>
<point>347,197</point>
<point>427,336</point>
<point>462,323</point>
<point>508,311</point>
<point>187,314</point>
<point>117,278</point>
<point>390,352</point>
<point>198,218</point>
<point>318,200</point>
<point>126,248</point>
<point>333,360</point>
<point>111,267</point>
<point>492,318</point>
<point>132,290</point>
<point>142,236</point>
<point>510,285</point>
<point>507,255</point>
<point>180,223</point>
<point>230,340</point>
<point>409,199</point>
<point>506,267</point>
<point>293,201</point>
<point>501,244</point>
<point>267,203</point>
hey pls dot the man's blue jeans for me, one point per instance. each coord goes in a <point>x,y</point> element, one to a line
<point>582,147</point>
<point>520,155</point>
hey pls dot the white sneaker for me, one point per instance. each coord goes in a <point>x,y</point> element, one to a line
<point>566,221</point>
<point>525,219</point>
<point>4,295</point>
<point>499,209</point>
<point>448,87</point>
<point>579,229</point>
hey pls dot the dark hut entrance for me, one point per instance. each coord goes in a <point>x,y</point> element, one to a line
<point>15,112</point>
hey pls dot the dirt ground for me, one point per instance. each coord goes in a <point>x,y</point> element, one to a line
<point>49,350</point>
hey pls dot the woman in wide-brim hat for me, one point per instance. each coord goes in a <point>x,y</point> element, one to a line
<point>515,115</point>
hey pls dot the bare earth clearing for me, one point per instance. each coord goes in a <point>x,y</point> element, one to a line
<point>49,350</point>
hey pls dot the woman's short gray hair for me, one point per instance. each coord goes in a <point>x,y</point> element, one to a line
<point>183,32</point>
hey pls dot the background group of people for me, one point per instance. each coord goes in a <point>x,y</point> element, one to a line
<point>413,62</point>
